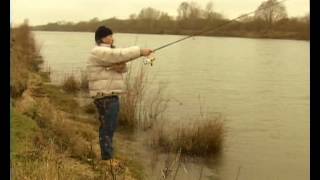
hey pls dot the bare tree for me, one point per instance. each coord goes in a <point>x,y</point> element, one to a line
<point>209,10</point>
<point>132,16</point>
<point>190,14</point>
<point>94,20</point>
<point>183,11</point>
<point>149,17</point>
<point>165,22</point>
<point>149,13</point>
<point>271,11</point>
<point>306,18</point>
<point>195,11</point>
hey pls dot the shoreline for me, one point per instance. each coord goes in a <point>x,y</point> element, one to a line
<point>249,35</point>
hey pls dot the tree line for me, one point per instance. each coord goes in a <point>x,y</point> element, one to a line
<point>269,21</point>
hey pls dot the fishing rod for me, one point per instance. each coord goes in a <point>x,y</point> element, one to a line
<point>150,59</point>
<point>216,28</point>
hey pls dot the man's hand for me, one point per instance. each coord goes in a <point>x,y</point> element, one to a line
<point>120,68</point>
<point>145,52</point>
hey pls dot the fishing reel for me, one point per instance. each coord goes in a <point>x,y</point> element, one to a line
<point>149,60</point>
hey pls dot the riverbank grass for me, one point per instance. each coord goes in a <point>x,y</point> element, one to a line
<point>71,84</point>
<point>60,98</point>
<point>202,139</point>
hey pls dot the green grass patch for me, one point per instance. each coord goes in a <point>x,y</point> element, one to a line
<point>23,131</point>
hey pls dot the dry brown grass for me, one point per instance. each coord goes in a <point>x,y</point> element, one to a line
<point>71,84</point>
<point>199,139</point>
<point>70,135</point>
<point>142,106</point>
<point>60,99</point>
<point>36,155</point>
<point>154,107</point>
<point>47,163</point>
<point>84,83</point>
<point>19,78</point>
<point>74,150</point>
<point>130,102</point>
<point>25,58</point>
<point>90,108</point>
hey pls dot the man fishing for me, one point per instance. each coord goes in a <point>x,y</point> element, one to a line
<point>105,68</point>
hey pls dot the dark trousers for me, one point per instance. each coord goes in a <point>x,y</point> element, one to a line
<point>108,108</point>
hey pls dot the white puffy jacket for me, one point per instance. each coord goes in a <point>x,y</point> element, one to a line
<point>102,79</point>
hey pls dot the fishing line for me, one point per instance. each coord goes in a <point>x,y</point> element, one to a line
<point>216,28</point>
<point>150,59</point>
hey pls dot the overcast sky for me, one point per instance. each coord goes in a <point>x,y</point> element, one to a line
<point>44,11</point>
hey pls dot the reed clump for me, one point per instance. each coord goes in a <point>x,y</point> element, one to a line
<point>71,84</point>
<point>201,139</point>
<point>141,106</point>
<point>135,84</point>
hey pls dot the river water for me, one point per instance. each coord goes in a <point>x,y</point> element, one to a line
<point>261,86</point>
